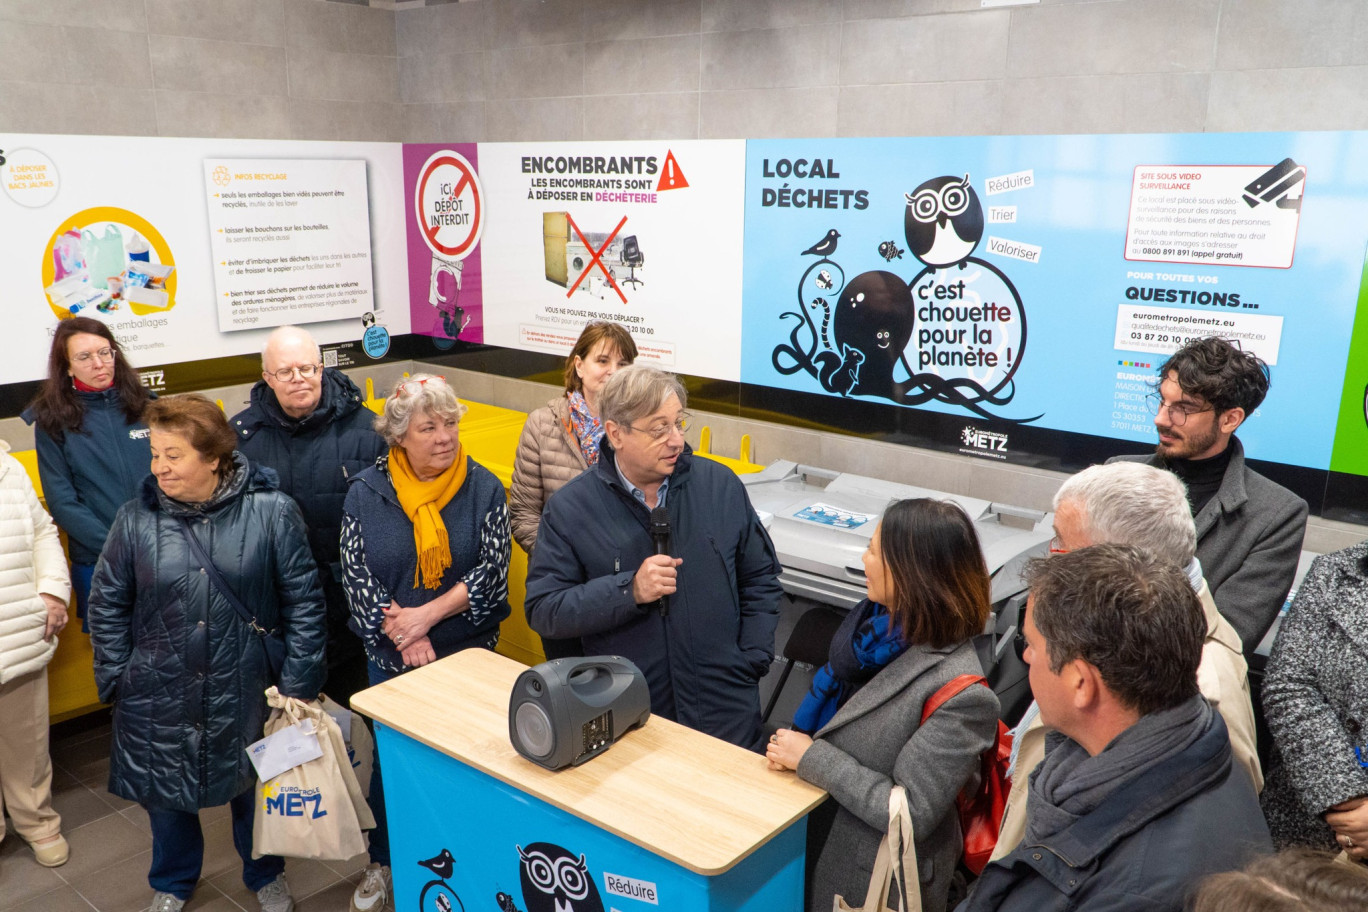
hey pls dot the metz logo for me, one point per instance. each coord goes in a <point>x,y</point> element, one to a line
<point>991,441</point>
<point>154,380</point>
<point>292,801</point>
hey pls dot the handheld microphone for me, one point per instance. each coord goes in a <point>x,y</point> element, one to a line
<point>660,534</point>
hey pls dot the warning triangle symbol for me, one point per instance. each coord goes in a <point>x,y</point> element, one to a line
<point>671,178</point>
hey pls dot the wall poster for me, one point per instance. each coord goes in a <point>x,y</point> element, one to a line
<point>1039,281</point>
<point>195,248</point>
<point>445,212</point>
<point>647,234</point>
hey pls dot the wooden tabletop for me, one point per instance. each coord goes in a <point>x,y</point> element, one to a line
<point>688,797</point>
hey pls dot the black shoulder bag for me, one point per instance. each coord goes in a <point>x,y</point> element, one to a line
<point>271,641</point>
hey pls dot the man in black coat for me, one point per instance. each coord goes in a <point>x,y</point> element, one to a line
<point>1137,798</point>
<point>699,621</point>
<point>309,423</point>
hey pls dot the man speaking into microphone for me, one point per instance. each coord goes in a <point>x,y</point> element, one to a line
<point>659,557</point>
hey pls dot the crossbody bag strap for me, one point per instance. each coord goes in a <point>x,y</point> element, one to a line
<point>952,688</point>
<point>217,578</point>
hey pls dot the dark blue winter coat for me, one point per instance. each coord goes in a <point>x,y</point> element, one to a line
<point>185,673</point>
<point>314,455</point>
<point>1145,847</point>
<point>703,660</point>
<point>380,559</point>
<point>88,474</point>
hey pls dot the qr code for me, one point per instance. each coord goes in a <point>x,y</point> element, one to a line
<point>330,358</point>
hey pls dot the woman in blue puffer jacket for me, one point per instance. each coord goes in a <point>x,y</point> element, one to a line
<point>184,670</point>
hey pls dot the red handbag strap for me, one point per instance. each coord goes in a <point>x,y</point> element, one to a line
<point>953,688</point>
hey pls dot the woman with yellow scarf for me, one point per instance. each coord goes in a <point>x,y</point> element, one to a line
<point>425,541</point>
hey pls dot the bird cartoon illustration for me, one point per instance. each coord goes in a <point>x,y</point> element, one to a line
<point>826,246</point>
<point>555,880</point>
<point>944,221</point>
<point>505,902</point>
<point>890,251</point>
<point>442,865</point>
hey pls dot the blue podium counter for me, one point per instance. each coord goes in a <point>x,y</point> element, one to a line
<point>667,818</point>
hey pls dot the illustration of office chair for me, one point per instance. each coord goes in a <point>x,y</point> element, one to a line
<point>631,257</point>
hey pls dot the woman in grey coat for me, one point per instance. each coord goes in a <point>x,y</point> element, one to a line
<point>865,706</point>
<point>1316,701</point>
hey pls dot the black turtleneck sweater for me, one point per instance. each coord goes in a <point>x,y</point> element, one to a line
<point>1203,477</point>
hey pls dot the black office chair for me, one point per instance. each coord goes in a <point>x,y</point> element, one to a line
<point>809,642</point>
<point>631,257</point>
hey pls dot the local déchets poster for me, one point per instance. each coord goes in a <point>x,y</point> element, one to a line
<point>1041,281</point>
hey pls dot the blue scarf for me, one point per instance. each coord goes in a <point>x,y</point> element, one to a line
<point>588,428</point>
<point>864,644</point>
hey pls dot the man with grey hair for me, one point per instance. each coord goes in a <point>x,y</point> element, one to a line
<point>310,425</point>
<point>1128,503</point>
<point>698,620</point>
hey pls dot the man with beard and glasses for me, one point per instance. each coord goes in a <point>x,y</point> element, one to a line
<point>1249,529</point>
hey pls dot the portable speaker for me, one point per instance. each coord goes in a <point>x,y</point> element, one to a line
<point>564,712</point>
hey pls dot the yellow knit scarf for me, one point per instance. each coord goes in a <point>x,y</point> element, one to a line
<point>423,502</point>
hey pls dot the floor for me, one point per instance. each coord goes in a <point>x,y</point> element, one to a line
<point>111,847</point>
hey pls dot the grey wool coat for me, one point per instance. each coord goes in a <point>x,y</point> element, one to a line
<point>1249,539</point>
<point>548,456</point>
<point>875,742</point>
<point>1316,700</point>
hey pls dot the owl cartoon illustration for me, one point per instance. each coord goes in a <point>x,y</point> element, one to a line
<point>555,880</point>
<point>944,221</point>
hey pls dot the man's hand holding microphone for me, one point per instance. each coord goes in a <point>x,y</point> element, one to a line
<point>655,579</point>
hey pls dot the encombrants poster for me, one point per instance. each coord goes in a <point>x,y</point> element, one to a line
<point>646,234</point>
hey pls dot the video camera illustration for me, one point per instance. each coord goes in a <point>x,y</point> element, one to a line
<point>1274,184</point>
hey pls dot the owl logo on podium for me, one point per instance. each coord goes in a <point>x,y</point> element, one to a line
<point>555,880</point>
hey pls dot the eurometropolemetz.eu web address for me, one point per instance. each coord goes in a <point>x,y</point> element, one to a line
<point>1170,319</point>
<point>1225,331</point>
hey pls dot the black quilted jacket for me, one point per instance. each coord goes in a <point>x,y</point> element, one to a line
<point>185,673</point>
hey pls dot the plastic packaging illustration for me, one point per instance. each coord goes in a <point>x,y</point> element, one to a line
<point>66,255</point>
<point>104,254</point>
<point>138,249</point>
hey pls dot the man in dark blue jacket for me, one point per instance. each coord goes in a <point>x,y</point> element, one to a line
<point>311,425</point>
<point>699,622</point>
<point>1137,798</point>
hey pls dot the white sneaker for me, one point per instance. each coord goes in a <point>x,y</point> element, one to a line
<point>166,902</point>
<point>275,896</point>
<point>375,892</point>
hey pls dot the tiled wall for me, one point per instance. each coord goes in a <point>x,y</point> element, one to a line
<point>270,69</point>
<point>607,69</point>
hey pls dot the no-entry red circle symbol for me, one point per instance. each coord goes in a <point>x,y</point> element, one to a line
<point>448,202</point>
